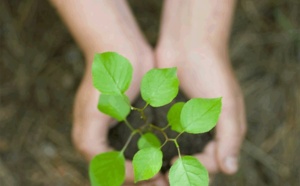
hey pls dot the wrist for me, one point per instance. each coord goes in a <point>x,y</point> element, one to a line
<point>137,53</point>
<point>100,25</point>
<point>170,54</point>
<point>206,27</point>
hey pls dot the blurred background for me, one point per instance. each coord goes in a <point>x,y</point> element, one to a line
<point>41,67</point>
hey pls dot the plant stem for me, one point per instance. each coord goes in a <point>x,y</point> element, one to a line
<point>165,142</point>
<point>165,127</point>
<point>179,135</point>
<point>145,106</point>
<point>177,146</point>
<point>129,125</point>
<point>161,130</point>
<point>141,111</point>
<point>134,108</point>
<point>128,140</point>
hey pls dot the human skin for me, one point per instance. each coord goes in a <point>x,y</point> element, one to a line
<point>194,37</point>
<point>99,26</point>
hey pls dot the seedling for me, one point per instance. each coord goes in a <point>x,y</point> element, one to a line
<point>112,74</point>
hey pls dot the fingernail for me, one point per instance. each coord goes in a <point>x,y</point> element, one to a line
<point>231,164</point>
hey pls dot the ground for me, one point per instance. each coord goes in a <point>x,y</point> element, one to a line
<point>41,67</point>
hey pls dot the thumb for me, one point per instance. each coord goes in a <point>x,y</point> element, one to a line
<point>207,158</point>
<point>230,133</point>
<point>129,173</point>
<point>90,127</point>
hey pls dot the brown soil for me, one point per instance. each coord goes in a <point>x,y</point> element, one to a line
<point>189,144</point>
<point>41,67</point>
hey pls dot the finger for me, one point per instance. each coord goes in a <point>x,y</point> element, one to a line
<point>211,178</point>
<point>90,128</point>
<point>91,140</point>
<point>230,132</point>
<point>160,180</point>
<point>157,180</point>
<point>129,172</point>
<point>208,158</point>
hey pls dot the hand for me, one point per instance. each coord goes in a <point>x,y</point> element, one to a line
<point>157,180</point>
<point>100,26</point>
<point>91,126</point>
<point>197,45</point>
<point>204,73</point>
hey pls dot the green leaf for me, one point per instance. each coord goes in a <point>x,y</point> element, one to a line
<point>146,163</point>
<point>112,73</point>
<point>160,86</point>
<point>200,115</point>
<point>148,140</point>
<point>174,117</point>
<point>188,171</point>
<point>107,169</point>
<point>114,105</point>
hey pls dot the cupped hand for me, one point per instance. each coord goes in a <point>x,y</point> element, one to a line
<point>203,72</point>
<point>90,127</point>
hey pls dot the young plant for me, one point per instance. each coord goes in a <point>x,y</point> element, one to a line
<point>112,74</point>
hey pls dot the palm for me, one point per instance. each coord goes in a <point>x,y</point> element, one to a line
<point>202,74</point>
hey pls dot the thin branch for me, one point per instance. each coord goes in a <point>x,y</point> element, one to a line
<point>179,135</point>
<point>177,146</point>
<point>128,141</point>
<point>129,125</point>
<point>159,129</point>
